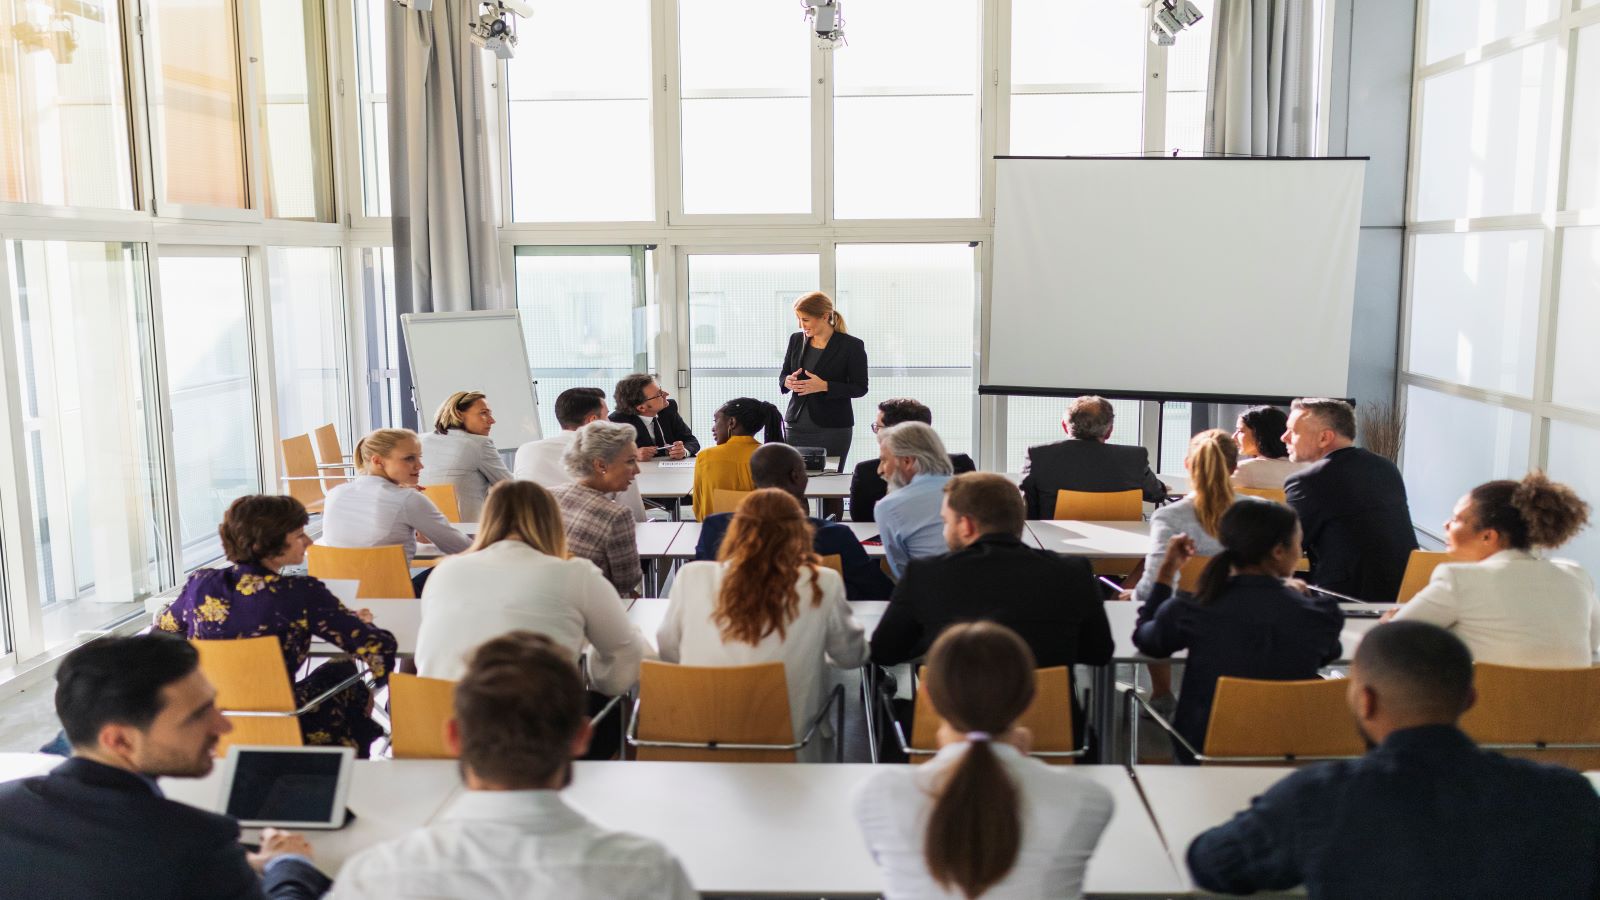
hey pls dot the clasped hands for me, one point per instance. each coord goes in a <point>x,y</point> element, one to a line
<point>802,382</point>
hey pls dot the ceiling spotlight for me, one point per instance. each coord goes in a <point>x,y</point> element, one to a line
<point>492,31</point>
<point>827,20</point>
<point>1168,17</point>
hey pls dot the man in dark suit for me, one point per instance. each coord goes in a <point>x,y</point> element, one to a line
<point>1086,462</point>
<point>781,466</point>
<point>867,487</point>
<point>97,826</point>
<point>643,404</point>
<point>1352,504</point>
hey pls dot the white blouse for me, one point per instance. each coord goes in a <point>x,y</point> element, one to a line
<point>1062,817</point>
<point>1261,472</point>
<point>468,461</point>
<point>372,511</point>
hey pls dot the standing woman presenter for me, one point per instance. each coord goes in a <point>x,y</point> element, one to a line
<point>823,370</point>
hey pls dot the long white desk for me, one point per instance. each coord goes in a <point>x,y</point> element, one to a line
<point>1187,800</point>
<point>26,765</point>
<point>1098,540</point>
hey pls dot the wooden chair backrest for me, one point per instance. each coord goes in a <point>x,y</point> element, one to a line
<point>330,452</point>
<point>418,710</point>
<point>1274,494</point>
<point>726,501</point>
<point>1189,574</point>
<point>248,674</point>
<point>835,562</point>
<point>382,571</point>
<point>300,463</point>
<point>1049,716</point>
<point>1525,706</point>
<point>1282,718</point>
<point>1419,569</point>
<point>1100,506</point>
<point>727,704</point>
<point>444,497</point>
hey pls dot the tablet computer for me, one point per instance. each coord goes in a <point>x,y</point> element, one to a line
<point>287,787</point>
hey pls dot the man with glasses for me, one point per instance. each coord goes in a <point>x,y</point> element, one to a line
<point>642,403</point>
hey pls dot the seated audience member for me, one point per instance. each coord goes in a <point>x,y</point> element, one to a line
<point>1085,461</point>
<point>1209,462</point>
<point>136,709</point>
<point>642,404</point>
<point>1049,599</point>
<point>768,599</point>
<point>459,451</point>
<point>519,722</point>
<point>540,461</point>
<point>1510,607</point>
<point>867,487</point>
<point>1259,434</point>
<point>981,818</point>
<point>518,576</point>
<point>602,463</point>
<point>261,535</point>
<point>1244,620</point>
<point>781,466</point>
<point>726,466</point>
<point>912,459</point>
<point>1352,504</point>
<point>1424,813</point>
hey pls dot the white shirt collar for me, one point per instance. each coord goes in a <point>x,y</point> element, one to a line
<point>541,810</point>
<point>1507,555</point>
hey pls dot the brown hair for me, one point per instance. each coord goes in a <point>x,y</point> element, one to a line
<point>519,707</point>
<point>989,499</point>
<point>768,542</point>
<point>1533,512</point>
<point>1090,418</point>
<point>1336,415</point>
<point>980,679</point>
<point>904,409</point>
<point>522,511</point>
<point>1213,455</point>
<point>257,526</point>
<point>818,305</point>
<point>630,391</point>
<point>453,409</point>
<point>380,443</point>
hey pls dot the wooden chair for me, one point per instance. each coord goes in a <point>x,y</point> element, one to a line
<point>1419,569</point>
<point>254,693</point>
<point>332,455</point>
<point>835,562</point>
<point>301,477</point>
<point>418,710</point>
<point>721,714</point>
<point>382,571</point>
<point>444,497</point>
<point>726,501</point>
<point>1107,506</point>
<point>1274,494</point>
<point>1274,722</point>
<point>1189,574</point>
<point>1049,717</point>
<point>1548,715</point>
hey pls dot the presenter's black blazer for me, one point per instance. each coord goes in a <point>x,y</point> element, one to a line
<point>1357,523</point>
<point>673,428</point>
<point>843,366</point>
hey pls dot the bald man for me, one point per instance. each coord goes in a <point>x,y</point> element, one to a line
<point>1425,813</point>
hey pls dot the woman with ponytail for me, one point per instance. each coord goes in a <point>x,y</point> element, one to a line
<point>726,466</point>
<point>823,370</point>
<point>981,819</point>
<point>1247,619</point>
<point>1507,605</point>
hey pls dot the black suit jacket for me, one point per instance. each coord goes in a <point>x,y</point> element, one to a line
<point>867,487</point>
<point>1076,465</point>
<point>1358,531</point>
<point>87,831</point>
<point>843,366</point>
<point>673,428</point>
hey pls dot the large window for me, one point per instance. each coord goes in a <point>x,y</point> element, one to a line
<point>372,102</point>
<point>381,337</point>
<point>292,103</point>
<point>1031,421</point>
<point>195,100</point>
<point>308,340</point>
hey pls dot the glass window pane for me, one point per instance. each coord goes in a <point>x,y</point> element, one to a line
<point>63,105</point>
<point>308,340</point>
<point>1077,42</point>
<point>584,74</point>
<point>84,370</point>
<point>1577,370</point>
<point>1464,24</point>
<point>1188,66</point>
<point>1583,152</point>
<point>194,85</point>
<point>1574,453</point>
<point>1486,136</point>
<point>372,104</point>
<point>1474,308</point>
<point>292,81</point>
<point>207,344</point>
<point>1099,124</point>
<point>1031,421</point>
<point>382,336</point>
<point>1453,444</point>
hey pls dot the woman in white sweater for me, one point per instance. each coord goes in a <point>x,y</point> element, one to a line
<point>981,817</point>
<point>768,598</point>
<point>1259,434</point>
<point>1507,605</point>
<point>460,452</point>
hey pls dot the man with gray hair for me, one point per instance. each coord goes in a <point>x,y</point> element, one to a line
<point>912,459</point>
<point>1086,461</point>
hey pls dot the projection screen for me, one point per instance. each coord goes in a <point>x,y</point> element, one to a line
<point>1217,279</point>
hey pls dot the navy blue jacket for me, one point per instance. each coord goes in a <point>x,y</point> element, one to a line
<point>1257,628</point>
<point>863,577</point>
<point>1358,532</point>
<point>1427,814</point>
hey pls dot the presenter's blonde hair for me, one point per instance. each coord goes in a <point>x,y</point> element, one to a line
<point>818,305</point>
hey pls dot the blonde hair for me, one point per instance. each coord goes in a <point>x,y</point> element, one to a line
<point>818,305</point>
<point>453,408</point>
<point>1213,455</point>
<point>380,443</point>
<point>522,511</point>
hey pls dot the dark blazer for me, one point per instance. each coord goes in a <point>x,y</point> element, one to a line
<point>843,366</point>
<point>1257,628</point>
<point>1075,465</point>
<point>673,428</point>
<point>87,830</point>
<point>863,577</point>
<point>867,487</point>
<point>1358,531</point>
<point>1425,814</point>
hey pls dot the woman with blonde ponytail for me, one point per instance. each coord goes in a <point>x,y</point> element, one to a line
<point>824,368</point>
<point>1210,462</point>
<point>981,819</point>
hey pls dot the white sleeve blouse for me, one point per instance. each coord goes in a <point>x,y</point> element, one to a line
<point>372,511</point>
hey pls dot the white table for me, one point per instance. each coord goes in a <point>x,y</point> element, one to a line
<point>14,766</point>
<point>1097,540</point>
<point>1187,800</point>
<point>648,612</point>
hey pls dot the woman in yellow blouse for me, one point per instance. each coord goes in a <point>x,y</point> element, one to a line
<point>727,465</point>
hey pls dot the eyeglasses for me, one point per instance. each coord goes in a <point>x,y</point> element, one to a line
<point>876,427</point>
<point>656,397</point>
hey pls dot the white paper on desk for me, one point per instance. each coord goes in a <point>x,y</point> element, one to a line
<point>343,588</point>
<point>677,464</point>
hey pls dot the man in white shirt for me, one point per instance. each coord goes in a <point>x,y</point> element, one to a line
<point>540,461</point>
<point>519,722</point>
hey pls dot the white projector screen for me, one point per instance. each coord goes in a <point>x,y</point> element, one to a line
<point>1214,279</point>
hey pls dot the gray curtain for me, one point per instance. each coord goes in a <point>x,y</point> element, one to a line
<point>1260,91</point>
